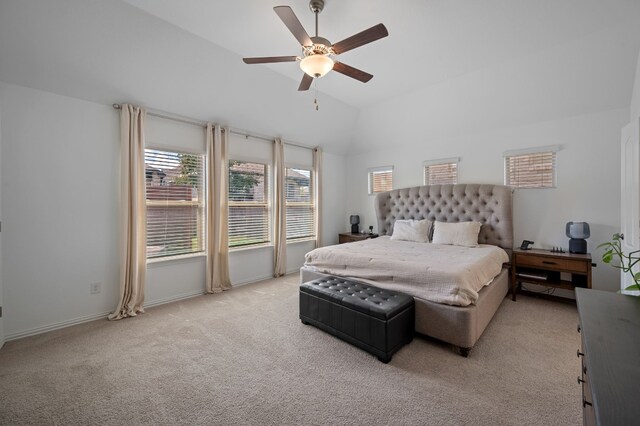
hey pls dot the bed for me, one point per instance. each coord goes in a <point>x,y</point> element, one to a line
<point>490,205</point>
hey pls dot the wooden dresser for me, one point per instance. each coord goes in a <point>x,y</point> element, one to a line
<point>610,376</point>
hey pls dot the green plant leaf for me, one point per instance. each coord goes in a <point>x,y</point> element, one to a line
<point>607,257</point>
<point>636,277</point>
<point>633,287</point>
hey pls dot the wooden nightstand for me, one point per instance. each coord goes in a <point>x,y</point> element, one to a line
<point>543,267</point>
<point>348,237</point>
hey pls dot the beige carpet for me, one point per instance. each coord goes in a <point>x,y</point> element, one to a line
<point>243,357</point>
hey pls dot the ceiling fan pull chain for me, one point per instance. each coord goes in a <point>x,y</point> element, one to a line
<point>315,100</point>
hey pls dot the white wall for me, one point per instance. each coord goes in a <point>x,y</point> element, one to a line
<point>60,208</point>
<point>588,175</point>
<point>335,198</point>
<point>59,166</point>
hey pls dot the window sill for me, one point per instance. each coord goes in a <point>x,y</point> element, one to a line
<point>161,260</point>
<point>252,247</point>
<point>301,240</point>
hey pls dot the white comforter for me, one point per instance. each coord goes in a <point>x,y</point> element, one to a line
<point>435,272</point>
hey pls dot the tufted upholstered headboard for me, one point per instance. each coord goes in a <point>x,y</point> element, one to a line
<point>487,204</point>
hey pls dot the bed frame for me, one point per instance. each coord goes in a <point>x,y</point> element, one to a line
<point>491,205</point>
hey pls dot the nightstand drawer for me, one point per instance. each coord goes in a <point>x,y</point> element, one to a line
<point>552,263</point>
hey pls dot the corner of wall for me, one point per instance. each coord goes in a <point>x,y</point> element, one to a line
<point>2,336</point>
<point>634,108</point>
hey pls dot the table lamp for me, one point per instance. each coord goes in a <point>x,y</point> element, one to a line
<point>355,221</point>
<point>578,232</point>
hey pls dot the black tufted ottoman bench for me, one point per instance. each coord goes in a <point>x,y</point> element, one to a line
<point>376,320</point>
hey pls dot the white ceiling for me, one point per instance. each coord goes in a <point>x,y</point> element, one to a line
<point>430,41</point>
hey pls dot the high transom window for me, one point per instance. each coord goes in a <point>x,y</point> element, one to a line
<point>441,172</point>
<point>380,179</point>
<point>535,168</point>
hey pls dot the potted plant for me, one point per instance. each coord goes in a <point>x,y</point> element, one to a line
<point>613,250</point>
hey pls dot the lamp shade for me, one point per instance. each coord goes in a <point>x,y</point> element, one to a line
<point>579,230</point>
<point>316,65</point>
<point>354,219</point>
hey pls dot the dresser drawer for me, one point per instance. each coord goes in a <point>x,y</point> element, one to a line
<point>588,413</point>
<point>552,263</point>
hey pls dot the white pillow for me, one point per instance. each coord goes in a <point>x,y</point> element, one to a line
<point>458,234</point>
<point>411,230</point>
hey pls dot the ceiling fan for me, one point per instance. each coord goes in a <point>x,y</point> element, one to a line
<point>317,52</point>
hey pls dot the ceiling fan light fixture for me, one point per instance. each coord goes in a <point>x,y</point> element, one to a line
<point>316,65</point>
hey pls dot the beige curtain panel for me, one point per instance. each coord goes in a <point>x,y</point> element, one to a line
<point>217,210</point>
<point>279,211</point>
<point>317,188</point>
<point>133,213</point>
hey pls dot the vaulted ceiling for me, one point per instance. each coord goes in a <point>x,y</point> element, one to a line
<point>523,59</point>
<point>429,42</point>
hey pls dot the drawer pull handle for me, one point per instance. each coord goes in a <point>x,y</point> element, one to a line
<point>580,380</point>
<point>585,403</point>
<point>548,262</point>
<point>579,329</point>
<point>584,369</point>
<point>578,353</point>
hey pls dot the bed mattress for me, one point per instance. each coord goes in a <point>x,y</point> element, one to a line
<point>440,273</point>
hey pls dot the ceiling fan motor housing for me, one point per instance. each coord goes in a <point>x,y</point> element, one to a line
<point>321,46</point>
<point>316,6</point>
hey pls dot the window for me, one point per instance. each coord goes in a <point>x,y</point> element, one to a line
<point>441,172</point>
<point>248,204</point>
<point>380,179</point>
<point>175,203</point>
<point>300,203</point>
<point>533,168</point>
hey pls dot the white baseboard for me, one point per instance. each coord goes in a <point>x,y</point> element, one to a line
<point>56,326</point>
<point>93,317</point>
<point>175,298</point>
<point>101,315</point>
<point>252,280</point>
<point>261,278</point>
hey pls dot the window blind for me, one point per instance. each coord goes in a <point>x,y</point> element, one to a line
<point>441,174</point>
<point>532,170</point>
<point>300,204</point>
<point>380,180</point>
<point>248,203</point>
<point>175,203</point>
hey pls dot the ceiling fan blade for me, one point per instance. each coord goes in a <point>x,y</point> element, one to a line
<point>305,83</point>
<point>291,21</point>
<point>352,72</point>
<point>270,59</point>
<point>367,36</point>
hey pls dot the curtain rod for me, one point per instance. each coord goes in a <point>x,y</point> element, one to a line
<point>194,122</point>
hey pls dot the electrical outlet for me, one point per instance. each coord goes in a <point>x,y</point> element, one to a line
<point>95,288</point>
